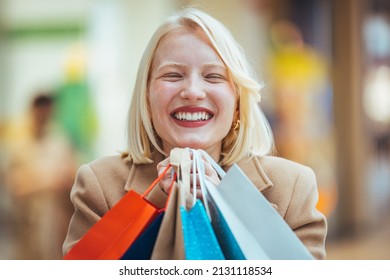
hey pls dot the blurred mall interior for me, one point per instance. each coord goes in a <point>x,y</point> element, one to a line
<point>68,67</point>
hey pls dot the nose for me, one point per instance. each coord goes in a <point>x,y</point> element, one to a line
<point>193,89</point>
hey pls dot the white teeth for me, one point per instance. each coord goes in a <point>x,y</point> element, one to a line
<point>198,116</point>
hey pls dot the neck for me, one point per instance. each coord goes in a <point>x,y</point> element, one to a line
<point>214,152</point>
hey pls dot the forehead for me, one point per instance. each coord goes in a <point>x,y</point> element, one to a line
<point>185,43</point>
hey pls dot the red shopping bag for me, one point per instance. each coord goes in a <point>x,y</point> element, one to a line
<point>112,235</point>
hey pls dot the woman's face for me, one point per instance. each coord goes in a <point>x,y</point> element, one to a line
<point>191,96</point>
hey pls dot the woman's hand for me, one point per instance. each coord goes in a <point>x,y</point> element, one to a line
<point>166,182</point>
<point>211,176</point>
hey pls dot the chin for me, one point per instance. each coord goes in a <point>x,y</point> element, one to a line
<point>198,146</point>
<point>192,145</point>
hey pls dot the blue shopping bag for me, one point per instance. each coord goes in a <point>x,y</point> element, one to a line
<point>200,242</point>
<point>229,246</point>
<point>142,248</point>
<point>223,233</point>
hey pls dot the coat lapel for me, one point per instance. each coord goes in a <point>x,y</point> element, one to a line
<point>255,172</point>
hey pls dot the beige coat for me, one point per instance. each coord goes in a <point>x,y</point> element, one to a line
<point>290,187</point>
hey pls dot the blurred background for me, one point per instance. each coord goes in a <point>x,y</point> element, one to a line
<point>67,69</point>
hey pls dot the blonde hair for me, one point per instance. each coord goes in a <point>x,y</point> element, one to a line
<point>253,136</point>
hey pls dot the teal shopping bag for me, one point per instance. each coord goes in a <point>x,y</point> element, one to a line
<point>200,242</point>
<point>228,243</point>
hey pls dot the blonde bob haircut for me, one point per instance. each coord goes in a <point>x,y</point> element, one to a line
<point>251,137</point>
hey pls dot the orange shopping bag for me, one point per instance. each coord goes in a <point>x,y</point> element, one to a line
<point>112,235</point>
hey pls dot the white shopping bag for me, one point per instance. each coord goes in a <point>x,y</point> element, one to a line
<point>257,227</point>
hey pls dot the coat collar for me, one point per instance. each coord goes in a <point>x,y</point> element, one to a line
<point>142,175</point>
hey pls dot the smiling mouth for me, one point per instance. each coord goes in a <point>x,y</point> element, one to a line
<point>192,116</point>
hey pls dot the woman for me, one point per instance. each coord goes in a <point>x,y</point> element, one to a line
<point>195,89</point>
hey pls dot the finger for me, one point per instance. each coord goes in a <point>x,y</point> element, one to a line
<point>198,193</point>
<point>165,185</point>
<point>213,180</point>
<point>166,182</point>
<point>162,165</point>
<point>207,165</point>
<point>211,174</point>
<point>209,169</point>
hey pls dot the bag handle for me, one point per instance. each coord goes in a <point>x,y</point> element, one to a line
<point>155,182</point>
<point>181,162</point>
<point>150,188</point>
<point>202,177</point>
<point>170,188</point>
<point>194,167</point>
<point>215,165</point>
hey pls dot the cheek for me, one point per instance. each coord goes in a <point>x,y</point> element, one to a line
<point>159,98</point>
<point>228,101</point>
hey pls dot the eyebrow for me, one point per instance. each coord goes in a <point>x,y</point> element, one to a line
<point>170,64</point>
<point>213,64</point>
<point>180,65</point>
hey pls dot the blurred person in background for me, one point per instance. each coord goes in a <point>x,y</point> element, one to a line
<point>40,168</point>
<point>75,109</point>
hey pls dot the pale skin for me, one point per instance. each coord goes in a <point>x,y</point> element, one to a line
<point>192,98</point>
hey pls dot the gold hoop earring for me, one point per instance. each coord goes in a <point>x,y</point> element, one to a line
<point>236,124</point>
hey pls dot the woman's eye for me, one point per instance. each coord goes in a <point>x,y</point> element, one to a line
<point>215,77</point>
<point>172,76</point>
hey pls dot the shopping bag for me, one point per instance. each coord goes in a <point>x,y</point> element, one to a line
<point>229,246</point>
<point>142,247</point>
<point>225,237</point>
<point>169,244</point>
<point>258,228</point>
<point>200,242</point>
<point>112,235</point>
